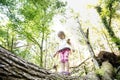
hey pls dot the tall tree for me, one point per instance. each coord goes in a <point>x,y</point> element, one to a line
<point>30,20</point>
<point>38,17</point>
<point>107,11</point>
<point>8,9</point>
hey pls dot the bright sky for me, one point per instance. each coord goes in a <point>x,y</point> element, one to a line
<point>3,19</point>
<point>86,15</point>
<point>80,7</point>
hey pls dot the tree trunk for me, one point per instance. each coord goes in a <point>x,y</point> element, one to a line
<point>41,50</point>
<point>15,68</point>
<point>107,73</point>
<point>88,44</point>
<point>12,67</point>
<point>107,24</point>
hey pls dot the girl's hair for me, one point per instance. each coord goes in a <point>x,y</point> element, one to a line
<point>61,33</point>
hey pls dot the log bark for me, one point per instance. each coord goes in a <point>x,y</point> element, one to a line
<point>107,73</point>
<point>15,68</point>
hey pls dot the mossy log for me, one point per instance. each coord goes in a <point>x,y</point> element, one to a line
<point>108,61</point>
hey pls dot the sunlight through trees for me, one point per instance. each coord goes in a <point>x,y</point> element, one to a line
<point>29,28</point>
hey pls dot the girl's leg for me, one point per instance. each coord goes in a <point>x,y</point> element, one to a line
<point>62,62</point>
<point>62,66</point>
<point>67,62</point>
<point>67,66</point>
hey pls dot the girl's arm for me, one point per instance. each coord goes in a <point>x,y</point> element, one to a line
<point>69,42</point>
<point>55,54</point>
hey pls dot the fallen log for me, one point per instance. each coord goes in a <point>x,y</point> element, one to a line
<point>104,73</point>
<point>108,61</point>
<point>15,68</point>
<point>108,71</point>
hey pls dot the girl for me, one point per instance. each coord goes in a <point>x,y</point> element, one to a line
<point>64,51</point>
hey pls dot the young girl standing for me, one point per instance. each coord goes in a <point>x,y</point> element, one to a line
<point>64,51</point>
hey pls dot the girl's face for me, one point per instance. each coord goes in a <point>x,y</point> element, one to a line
<point>61,36</point>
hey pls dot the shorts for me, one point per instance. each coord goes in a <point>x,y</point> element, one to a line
<point>64,54</point>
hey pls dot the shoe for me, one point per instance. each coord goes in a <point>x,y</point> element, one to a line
<point>63,72</point>
<point>66,73</point>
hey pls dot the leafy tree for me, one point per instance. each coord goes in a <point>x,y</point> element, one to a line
<point>38,16</point>
<point>29,20</point>
<point>107,11</point>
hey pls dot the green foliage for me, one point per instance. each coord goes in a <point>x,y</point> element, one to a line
<point>24,54</point>
<point>100,72</point>
<point>107,11</point>
<point>117,76</point>
<point>3,33</point>
<point>7,2</point>
<point>109,7</point>
<point>29,21</point>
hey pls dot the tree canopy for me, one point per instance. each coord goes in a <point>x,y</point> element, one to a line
<point>28,29</point>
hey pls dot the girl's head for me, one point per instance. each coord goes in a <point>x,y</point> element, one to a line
<point>61,35</point>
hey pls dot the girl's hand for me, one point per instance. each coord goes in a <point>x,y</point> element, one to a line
<point>73,50</point>
<point>55,54</point>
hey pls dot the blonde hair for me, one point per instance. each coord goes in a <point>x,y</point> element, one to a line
<point>61,33</point>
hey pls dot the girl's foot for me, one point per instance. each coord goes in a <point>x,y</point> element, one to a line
<point>65,73</point>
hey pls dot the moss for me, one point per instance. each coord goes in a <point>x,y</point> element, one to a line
<point>100,72</point>
<point>117,76</point>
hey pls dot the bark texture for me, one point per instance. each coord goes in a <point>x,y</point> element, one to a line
<point>15,68</point>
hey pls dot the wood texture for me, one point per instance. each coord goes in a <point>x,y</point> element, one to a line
<point>15,68</point>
